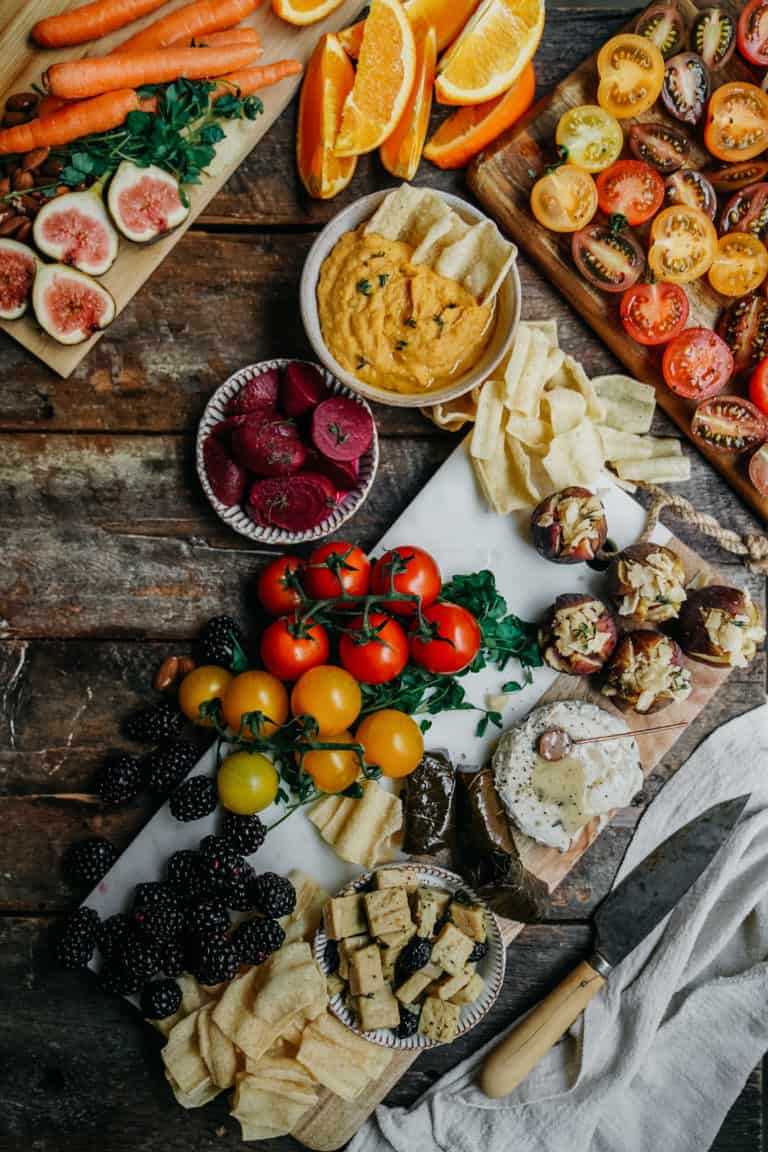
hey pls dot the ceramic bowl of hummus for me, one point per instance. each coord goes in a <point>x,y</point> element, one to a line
<point>417,315</point>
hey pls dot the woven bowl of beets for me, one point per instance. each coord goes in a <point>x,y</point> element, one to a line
<point>285,452</point>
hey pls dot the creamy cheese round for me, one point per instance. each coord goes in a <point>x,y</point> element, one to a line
<point>552,801</point>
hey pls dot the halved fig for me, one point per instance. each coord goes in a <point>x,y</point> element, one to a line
<point>75,229</point>
<point>18,265</point>
<point>69,305</point>
<point>145,203</point>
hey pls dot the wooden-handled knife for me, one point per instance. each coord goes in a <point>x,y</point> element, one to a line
<point>623,919</point>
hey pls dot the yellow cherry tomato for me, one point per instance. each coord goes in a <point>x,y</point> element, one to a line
<point>564,199</point>
<point>333,769</point>
<point>740,264</point>
<point>631,71</point>
<point>683,244</point>
<point>593,137</point>
<point>330,695</point>
<point>199,687</point>
<point>247,783</point>
<point>392,741</point>
<point>255,692</point>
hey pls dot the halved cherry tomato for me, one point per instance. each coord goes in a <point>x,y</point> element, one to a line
<point>737,121</point>
<point>744,327</point>
<point>685,90</point>
<point>455,644</point>
<point>713,36</point>
<point>683,244</point>
<point>631,188</point>
<point>392,741</point>
<point>740,264</point>
<point>374,661</point>
<point>288,649</point>
<point>747,211</point>
<point>275,592</point>
<point>592,136</point>
<point>697,364</point>
<point>729,424</point>
<point>737,176</point>
<point>663,25</point>
<point>664,147</point>
<point>753,32</point>
<point>631,71</point>
<point>330,695</point>
<point>758,387</point>
<point>692,188</point>
<point>254,691</point>
<point>410,571</point>
<point>608,258</point>
<point>349,572</point>
<point>654,313</point>
<point>201,686</point>
<point>758,470</point>
<point>564,199</point>
<point>333,769</point>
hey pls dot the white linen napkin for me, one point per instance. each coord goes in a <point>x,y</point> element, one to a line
<point>665,1049</point>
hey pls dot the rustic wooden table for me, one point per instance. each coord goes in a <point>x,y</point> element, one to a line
<point>110,558</point>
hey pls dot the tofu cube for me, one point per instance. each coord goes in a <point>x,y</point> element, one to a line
<point>396,878</point>
<point>417,983</point>
<point>439,1020</point>
<point>388,911</point>
<point>389,960</point>
<point>470,920</point>
<point>397,939</point>
<point>365,975</point>
<point>347,947</point>
<point>446,988</point>
<point>334,984</point>
<point>428,906</point>
<point>451,950</point>
<point>381,1010</point>
<point>470,992</point>
<point>345,916</point>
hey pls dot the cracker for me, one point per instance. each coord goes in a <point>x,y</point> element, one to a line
<point>339,1059</point>
<point>359,830</point>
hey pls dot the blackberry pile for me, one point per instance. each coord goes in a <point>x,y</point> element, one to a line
<point>221,642</point>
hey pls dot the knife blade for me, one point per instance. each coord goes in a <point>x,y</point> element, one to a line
<point>623,920</point>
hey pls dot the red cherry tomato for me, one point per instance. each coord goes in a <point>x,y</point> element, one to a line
<point>379,660</point>
<point>654,313</point>
<point>758,470</point>
<point>631,188</point>
<point>350,571</point>
<point>415,574</point>
<point>455,644</point>
<point>697,364</point>
<point>276,595</point>
<point>753,32</point>
<point>287,650</point>
<point>758,387</point>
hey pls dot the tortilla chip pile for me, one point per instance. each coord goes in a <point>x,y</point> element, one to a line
<point>543,425</point>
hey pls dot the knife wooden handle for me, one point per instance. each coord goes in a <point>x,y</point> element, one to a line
<point>516,1056</point>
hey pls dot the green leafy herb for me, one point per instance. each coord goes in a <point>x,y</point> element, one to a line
<point>361,362</point>
<point>337,432</point>
<point>400,345</point>
<point>410,322</point>
<point>364,287</point>
<point>440,323</point>
<point>383,277</point>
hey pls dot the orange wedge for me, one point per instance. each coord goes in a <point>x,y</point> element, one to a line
<point>383,81</point>
<point>470,129</point>
<point>400,153</point>
<point>301,12</point>
<point>491,52</point>
<point>328,81</point>
<point>447,17</point>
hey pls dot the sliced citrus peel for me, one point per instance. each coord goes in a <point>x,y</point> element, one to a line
<point>327,83</point>
<point>470,129</point>
<point>401,151</point>
<point>492,51</point>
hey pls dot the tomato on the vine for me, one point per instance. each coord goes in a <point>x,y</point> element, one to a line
<point>247,782</point>
<point>697,364</point>
<point>287,648</point>
<point>379,659</point>
<point>255,691</point>
<point>328,694</point>
<point>333,769</point>
<point>201,686</point>
<point>758,387</point>
<point>410,571</point>
<point>392,741</point>
<point>349,572</point>
<point>654,313</point>
<point>455,644</point>
<point>276,594</point>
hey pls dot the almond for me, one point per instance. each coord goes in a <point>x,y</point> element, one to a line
<point>186,665</point>
<point>167,674</point>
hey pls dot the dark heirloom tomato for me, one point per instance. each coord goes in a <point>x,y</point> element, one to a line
<point>737,176</point>
<point>664,147</point>
<point>758,470</point>
<point>729,424</point>
<point>654,313</point>
<point>744,327</point>
<point>692,188</point>
<point>747,211</point>
<point>758,387</point>
<point>631,70</point>
<point>663,25</point>
<point>713,37</point>
<point>607,258</point>
<point>753,32</point>
<point>737,122</point>
<point>697,364</point>
<point>685,90</point>
<point>632,189</point>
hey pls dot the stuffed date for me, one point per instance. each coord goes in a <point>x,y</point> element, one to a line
<point>578,634</point>
<point>569,527</point>
<point>646,673</point>
<point>721,626</point>
<point>646,582</point>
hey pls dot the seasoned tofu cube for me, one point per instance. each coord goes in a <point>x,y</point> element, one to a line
<point>428,906</point>
<point>397,939</point>
<point>388,911</point>
<point>470,920</point>
<point>439,1020</point>
<point>381,1010</point>
<point>345,916</point>
<point>365,974</point>
<point>470,992</point>
<point>417,983</point>
<point>347,948</point>
<point>451,950</point>
<point>447,988</point>
<point>334,984</point>
<point>389,960</point>
<point>397,878</point>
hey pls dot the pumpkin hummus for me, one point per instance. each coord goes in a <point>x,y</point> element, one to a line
<point>394,324</point>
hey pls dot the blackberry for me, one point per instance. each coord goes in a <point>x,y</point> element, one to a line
<point>88,861</point>
<point>213,959</point>
<point>273,895</point>
<point>78,940</point>
<point>222,867</point>
<point>117,980</point>
<point>239,896</point>
<point>111,934</point>
<point>153,724</point>
<point>140,958</point>
<point>255,940</point>
<point>246,834</point>
<point>183,872</point>
<point>415,955</point>
<point>478,952</point>
<point>221,642</point>
<point>160,925</point>
<point>153,894</point>
<point>168,765</point>
<point>195,798</point>
<point>207,918</point>
<point>409,1024</point>
<point>173,960</point>
<point>160,998</point>
<point>119,780</point>
<point>331,955</point>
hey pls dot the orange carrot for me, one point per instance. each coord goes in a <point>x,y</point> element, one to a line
<point>49,104</point>
<point>192,21</point>
<point>250,80</point>
<point>76,79</point>
<point>91,21</point>
<point>214,39</point>
<point>70,123</point>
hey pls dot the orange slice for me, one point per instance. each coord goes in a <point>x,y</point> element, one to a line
<point>470,129</point>
<point>400,153</point>
<point>491,52</point>
<point>328,81</point>
<point>301,12</point>
<point>447,17</point>
<point>383,80</point>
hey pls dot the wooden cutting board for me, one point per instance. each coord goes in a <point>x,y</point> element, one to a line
<point>332,1122</point>
<point>22,64</point>
<point>502,178</point>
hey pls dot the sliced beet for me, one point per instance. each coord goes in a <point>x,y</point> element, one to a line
<point>342,429</point>
<point>271,448</point>
<point>343,473</point>
<point>224,428</point>
<point>226,478</point>
<point>259,395</point>
<point>295,503</point>
<point>303,388</point>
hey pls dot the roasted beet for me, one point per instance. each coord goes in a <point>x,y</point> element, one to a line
<point>578,634</point>
<point>303,388</point>
<point>647,673</point>
<point>271,448</point>
<point>646,582</point>
<point>295,503</point>
<point>721,626</point>
<point>569,527</point>
<point>226,478</point>
<point>225,428</point>
<point>259,395</point>
<point>342,429</point>
<point>344,474</point>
